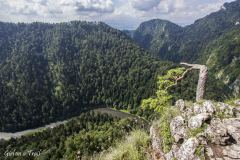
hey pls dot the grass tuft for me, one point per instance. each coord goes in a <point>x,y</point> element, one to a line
<point>133,148</point>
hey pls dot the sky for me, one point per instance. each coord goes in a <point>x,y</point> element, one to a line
<point>121,14</point>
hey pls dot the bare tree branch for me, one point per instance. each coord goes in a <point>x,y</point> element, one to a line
<point>201,80</point>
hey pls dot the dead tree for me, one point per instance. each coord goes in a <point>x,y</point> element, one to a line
<point>201,80</point>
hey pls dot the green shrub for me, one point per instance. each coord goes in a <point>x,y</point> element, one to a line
<point>162,104</point>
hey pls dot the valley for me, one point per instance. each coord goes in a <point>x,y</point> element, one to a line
<point>102,110</point>
<point>57,81</point>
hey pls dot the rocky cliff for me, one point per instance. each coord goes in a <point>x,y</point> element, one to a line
<point>206,130</point>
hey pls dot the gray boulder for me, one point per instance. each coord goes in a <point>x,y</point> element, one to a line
<point>198,120</point>
<point>217,132</point>
<point>237,102</point>
<point>172,154</point>
<point>187,150</point>
<point>206,107</point>
<point>178,129</point>
<point>180,104</point>
<point>233,128</point>
<point>231,152</point>
<point>209,152</point>
<point>209,107</point>
<point>156,142</point>
<point>197,109</point>
<point>169,155</point>
<point>188,113</point>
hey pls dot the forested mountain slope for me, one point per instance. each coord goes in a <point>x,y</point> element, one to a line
<point>158,36</point>
<point>172,42</point>
<point>200,39</point>
<point>223,58</point>
<point>53,71</point>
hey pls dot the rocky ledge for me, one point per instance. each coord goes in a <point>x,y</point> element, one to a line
<point>206,130</point>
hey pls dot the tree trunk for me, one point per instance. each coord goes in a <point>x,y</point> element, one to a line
<point>201,80</point>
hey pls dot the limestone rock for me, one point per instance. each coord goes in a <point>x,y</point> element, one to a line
<point>231,152</point>
<point>233,128</point>
<point>201,137</point>
<point>169,156</point>
<point>237,112</point>
<point>198,120</point>
<point>217,132</point>
<point>187,150</point>
<point>237,102</point>
<point>156,142</point>
<point>178,129</point>
<point>188,113</point>
<point>180,104</point>
<point>209,152</point>
<point>209,107</point>
<point>175,150</point>
<point>197,109</point>
<point>173,153</point>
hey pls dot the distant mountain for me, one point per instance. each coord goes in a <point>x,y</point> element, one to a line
<point>191,43</point>
<point>172,42</point>
<point>159,36</point>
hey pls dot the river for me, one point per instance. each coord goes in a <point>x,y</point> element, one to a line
<point>115,113</point>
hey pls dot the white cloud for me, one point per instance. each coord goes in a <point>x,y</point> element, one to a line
<point>50,7</point>
<point>164,6</point>
<point>145,5</point>
<point>89,5</point>
<point>118,13</point>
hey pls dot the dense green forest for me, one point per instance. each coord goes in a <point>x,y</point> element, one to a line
<point>49,72</point>
<point>86,135</point>
<point>53,71</point>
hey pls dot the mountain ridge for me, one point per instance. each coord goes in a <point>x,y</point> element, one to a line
<point>192,42</point>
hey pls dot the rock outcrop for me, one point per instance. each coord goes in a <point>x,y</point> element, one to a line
<point>233,128</point>
<point>217,132</point>
<point>206,130</point>
<point>198,120</point>
<point>178,129</point>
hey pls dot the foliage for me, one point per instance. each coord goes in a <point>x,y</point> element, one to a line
<point>133,148</point>
<point>161,104</point>
<point>194,132</point>
<point>89,133</point>
<point>199,152</point>
<point>163,98</point>
<point>231,101</point>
